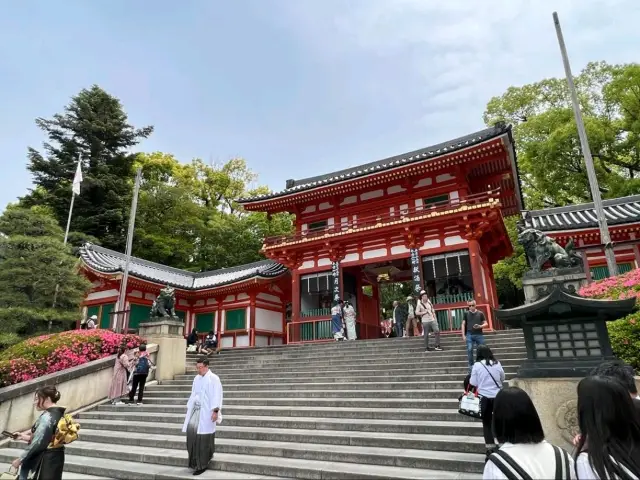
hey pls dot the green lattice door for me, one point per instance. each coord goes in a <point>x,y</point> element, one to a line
<point>204,322</point>
<point>602,271</point>
<point>235,319</point>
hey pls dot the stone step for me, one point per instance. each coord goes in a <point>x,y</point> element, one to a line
<point>375,402</point>
<point>457,353</point>
<point>160,391</point>
<point>4,467</point>
<point>466,444</point>
<point>344,384</point>
<point>375,344</point>
<point>395,370</point>
<point>461,427</point>
<point>260,465</point>
<point>459,367</point>
<point>82,466</point>
<point>447,415</point>
<point>418,347</point>
<point>324,377</point>
<point>383,456</point>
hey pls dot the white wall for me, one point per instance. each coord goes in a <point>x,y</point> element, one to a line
<point>268,320</point>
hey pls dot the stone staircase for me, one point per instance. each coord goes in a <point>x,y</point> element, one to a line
<point>363,410</point>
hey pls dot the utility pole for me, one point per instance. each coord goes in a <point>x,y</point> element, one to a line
<point>122,298</point>
<point>588,160</point>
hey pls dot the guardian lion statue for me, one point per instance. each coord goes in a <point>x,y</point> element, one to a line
<point>541,249</point>
<point>164,304</point>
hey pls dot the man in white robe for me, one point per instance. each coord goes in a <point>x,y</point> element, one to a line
<point>204,411</point>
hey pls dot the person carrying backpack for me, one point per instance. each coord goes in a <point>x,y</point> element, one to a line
<point>142,365</point>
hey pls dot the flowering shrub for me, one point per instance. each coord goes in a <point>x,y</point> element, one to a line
<point>625,339</point>
<point>51,353</point>
<point>623,286</point>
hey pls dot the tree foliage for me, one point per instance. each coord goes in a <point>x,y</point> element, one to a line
<point>188,216</point>
<point>33,260</point>
<point>548,147</point>
<point>93,129</point>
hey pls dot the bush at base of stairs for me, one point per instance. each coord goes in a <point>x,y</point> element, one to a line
<point>46,354</point>
<point>625,339</point>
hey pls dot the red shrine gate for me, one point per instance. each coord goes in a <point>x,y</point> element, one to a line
<point>433,216</point>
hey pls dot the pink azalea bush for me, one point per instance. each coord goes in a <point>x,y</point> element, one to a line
<point>46,354</point>
<point>623,286</point>
<point>624,334</point>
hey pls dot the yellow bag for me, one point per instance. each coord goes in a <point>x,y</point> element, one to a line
<point>9,475</point>
<point>67,432</point>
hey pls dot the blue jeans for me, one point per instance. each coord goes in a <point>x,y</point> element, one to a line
<point>473,339</point>
<point>399,328</point>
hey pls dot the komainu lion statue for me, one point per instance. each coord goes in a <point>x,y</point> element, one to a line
<point>164,304</point>
<point>541,249</point>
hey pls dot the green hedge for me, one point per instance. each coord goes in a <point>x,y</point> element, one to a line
<point>625,339</point>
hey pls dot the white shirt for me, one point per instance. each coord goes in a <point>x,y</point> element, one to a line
<point>585,472</point>
<point>207,391</point>
<point>91,324</point>
<point>537,459</point>
<point>482,378</point>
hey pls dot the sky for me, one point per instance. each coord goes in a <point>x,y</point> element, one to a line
<point>296,87</point>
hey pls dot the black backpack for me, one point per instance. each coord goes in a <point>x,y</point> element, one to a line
<point>510,468</point>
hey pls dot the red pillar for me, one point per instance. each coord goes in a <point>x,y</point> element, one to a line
<point>219,321</point>
<point>476,271</point>
<point>252,319</point>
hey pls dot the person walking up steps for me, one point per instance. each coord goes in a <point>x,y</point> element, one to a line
<point>427,313</point>
<point>204,411</point>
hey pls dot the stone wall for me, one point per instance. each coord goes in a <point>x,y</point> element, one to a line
<point>79,387</point>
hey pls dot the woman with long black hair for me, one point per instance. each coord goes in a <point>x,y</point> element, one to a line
<point>609,445</point>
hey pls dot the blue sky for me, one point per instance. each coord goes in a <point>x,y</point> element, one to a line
<point>297,87</point>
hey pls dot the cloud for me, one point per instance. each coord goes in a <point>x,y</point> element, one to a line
<point>447,59</point>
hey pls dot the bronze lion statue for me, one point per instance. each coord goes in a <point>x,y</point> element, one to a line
<point>164,304</point>
<point>541,249</point>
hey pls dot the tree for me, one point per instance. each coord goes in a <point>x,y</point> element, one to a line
<point>549,154</point>
<point>188,216</point>
<point>93,129</point>
<point>33,260</point>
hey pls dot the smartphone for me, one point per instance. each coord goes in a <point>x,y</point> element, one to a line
<point>9,435</point>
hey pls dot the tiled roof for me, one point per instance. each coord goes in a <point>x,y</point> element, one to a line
<point>428,153</point>
<point>109,261</point>
<point>575,217</point>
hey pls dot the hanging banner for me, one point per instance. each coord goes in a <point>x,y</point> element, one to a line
<point>416,277</point>
<point>335,273</point>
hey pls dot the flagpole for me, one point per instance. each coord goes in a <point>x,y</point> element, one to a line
<point>74,188</point>
<point>588,160</point>
<point>122,297</point>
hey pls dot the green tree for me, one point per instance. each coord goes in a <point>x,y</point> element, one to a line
<point>33,260</point>
<point>188,216</point>
<point>549,154</point>
<point>93,129</point>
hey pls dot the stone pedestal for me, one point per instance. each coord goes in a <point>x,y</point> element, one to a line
<point>536,285</point>
<point>168,335</point>
<point>555,400</point>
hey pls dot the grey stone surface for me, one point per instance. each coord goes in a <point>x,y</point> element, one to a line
<point>363,410</point>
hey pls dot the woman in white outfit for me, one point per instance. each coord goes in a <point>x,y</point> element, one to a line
<point>350,320</point>
<point>523,452</point>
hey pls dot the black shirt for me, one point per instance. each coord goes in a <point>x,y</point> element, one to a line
<point>473,318</point>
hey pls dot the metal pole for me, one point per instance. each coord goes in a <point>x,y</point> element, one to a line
<point>588,160</point>
<point>66,237</point>
<point>122,298</point>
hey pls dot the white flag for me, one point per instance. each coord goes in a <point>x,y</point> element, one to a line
<point>77,180</point>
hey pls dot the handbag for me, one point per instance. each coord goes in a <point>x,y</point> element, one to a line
<point>8,475</point>
<point>470,405</point>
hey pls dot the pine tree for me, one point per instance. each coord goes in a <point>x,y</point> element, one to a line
<point>94,129</point>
